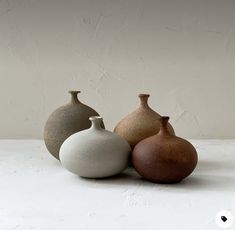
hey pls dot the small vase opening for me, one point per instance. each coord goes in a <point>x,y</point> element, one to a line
<point>144,99</point>
<point>164,125</point>
<point>96,122</point>
<point>74,96</point>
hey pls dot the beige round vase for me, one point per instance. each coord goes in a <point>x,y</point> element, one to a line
<point>140,124</point>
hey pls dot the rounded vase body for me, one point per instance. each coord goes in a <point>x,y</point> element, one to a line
<point>95,152</point>
<point>164,158</point>
<point>140,124</point>
<point>65,121</point>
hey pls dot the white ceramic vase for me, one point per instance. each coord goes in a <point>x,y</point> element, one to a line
<point>95,152</point>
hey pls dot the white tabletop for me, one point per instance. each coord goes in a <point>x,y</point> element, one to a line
<point>36,193</point>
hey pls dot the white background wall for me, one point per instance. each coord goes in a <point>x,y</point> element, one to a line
<point>182,52</point>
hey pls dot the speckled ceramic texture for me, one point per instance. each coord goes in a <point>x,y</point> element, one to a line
<point>65,121</point>
<point>140,124</point>
<point>95,152</point>
<point>164,158</point>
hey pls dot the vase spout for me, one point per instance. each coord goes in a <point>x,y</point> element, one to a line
<point>144,99</point>
<point>74,96</point>
<point>96,122</point>
<point>164,126</point>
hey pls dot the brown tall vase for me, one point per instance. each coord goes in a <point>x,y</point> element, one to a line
<point>65,121</point>
<point>140,124</point>
<point>164,157</point>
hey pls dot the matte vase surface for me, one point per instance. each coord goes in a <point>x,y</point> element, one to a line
<point>65,121</point>
<point>164,158</point>
<point>140,124</point>
<point>95,152</point>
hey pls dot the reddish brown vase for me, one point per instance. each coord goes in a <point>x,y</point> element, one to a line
<point>140,124</point>
<point>164,157</point>
<point>65,121</point>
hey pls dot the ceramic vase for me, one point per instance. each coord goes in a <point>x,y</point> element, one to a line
<point>65,121</point>
<point>140,124</point>
<point>95,152</point>
<point>164,157</point>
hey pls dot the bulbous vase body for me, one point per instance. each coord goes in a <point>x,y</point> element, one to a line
<point>65,121</point>
<point>95,152</point>
<point>140,124</point>
<point>164,158</point>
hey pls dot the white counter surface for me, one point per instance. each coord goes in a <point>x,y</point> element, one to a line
<point>36,193</point>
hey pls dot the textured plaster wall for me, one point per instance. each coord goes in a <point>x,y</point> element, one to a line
<point>182,52</point>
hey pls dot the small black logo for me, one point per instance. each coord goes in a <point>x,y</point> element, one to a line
<point>223,218</point>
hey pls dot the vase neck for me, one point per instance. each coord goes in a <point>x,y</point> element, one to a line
<point>74,97</point>
<point>164,126</point>
<point>96,122</point>
<point>144,100</point>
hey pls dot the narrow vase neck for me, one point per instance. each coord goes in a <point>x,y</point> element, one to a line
<point>96,122</point>
<point>164,126</point>
<point>74,97</point>
<point>144,100</point>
